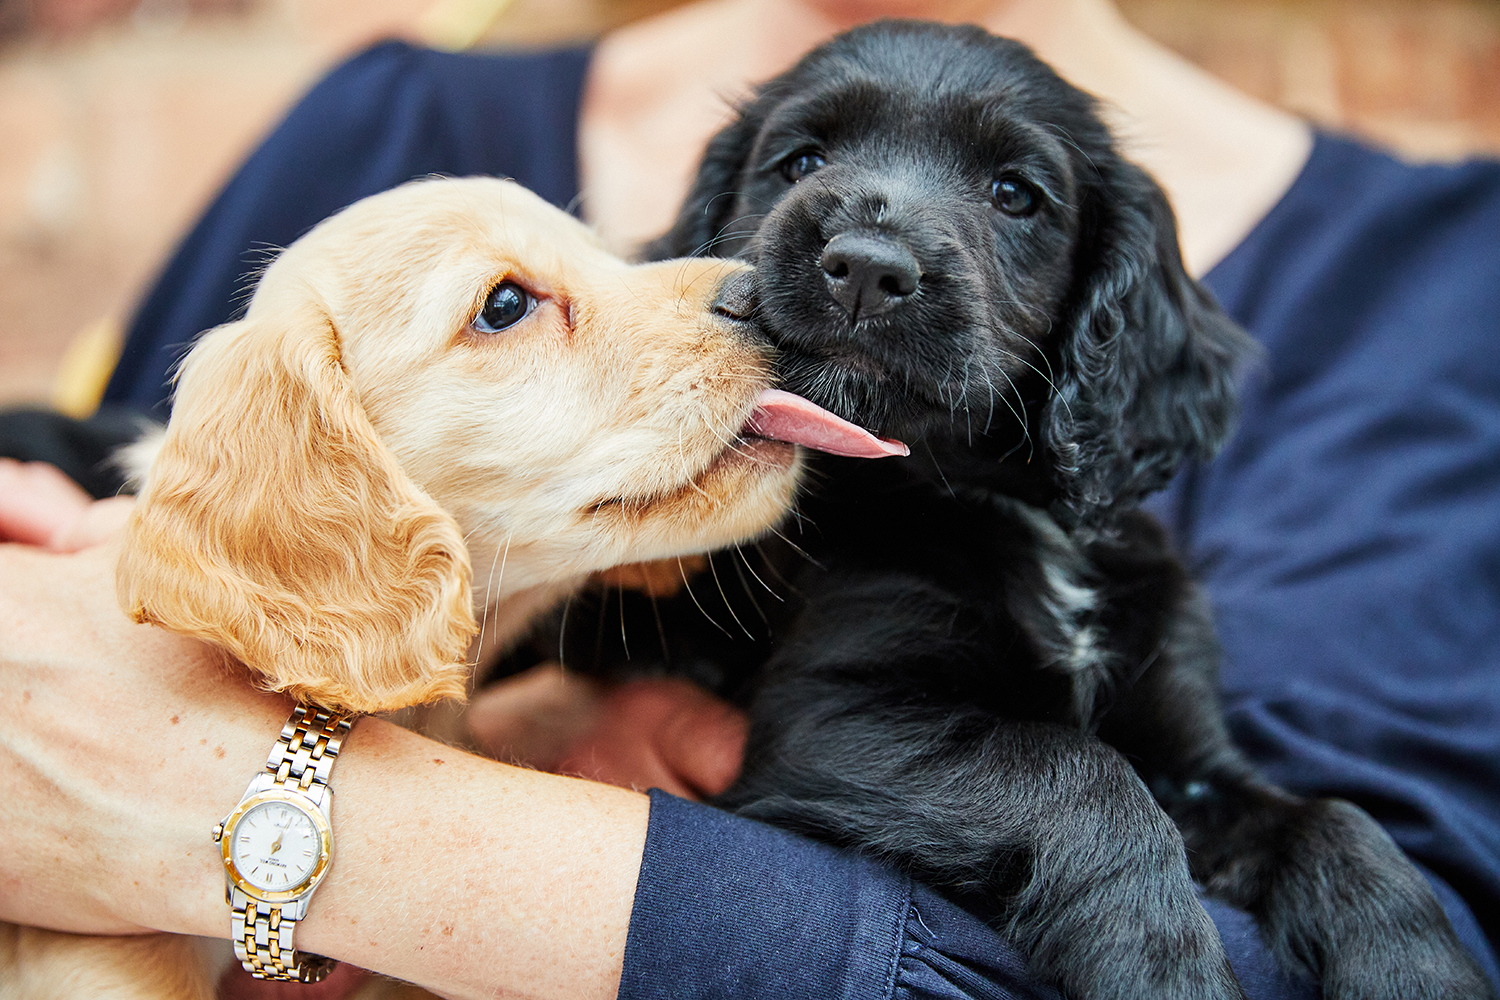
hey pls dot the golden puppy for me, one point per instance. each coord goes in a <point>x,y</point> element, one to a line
<point>451,373</point>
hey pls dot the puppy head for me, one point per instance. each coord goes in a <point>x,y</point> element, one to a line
<point>947,245</point>
<point>448,369</point>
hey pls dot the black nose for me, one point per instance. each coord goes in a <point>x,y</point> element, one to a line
<point>868,274</point>
<point>736,296</point>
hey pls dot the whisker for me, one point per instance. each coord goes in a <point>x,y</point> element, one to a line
<point>739,574</point>
<point>732,442</point>
<point>620,602</point>
<point>775,571</point>
<point>691,480</point>
<point>746,560</point>
<point>939,469</point>
<point>1006,399</point>
<point>689,588</point>
<point>484,620</point>
<point>797,549</point>
<point>1046,376</point>
<point>661,630</point>
<point>714,569</point>
<point>562,634</point>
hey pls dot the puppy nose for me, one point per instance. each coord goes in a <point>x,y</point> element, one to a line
<point>736,297</point>
<point>868,274</point>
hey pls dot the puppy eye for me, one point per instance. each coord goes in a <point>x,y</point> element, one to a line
<point>505,306</point>
<point>1014,196</point>
<point>800,164</point>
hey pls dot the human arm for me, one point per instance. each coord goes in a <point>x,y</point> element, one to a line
<point>120,745</point>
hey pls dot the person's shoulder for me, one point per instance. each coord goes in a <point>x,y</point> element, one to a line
<point>1429,221</point>
<point>1356,173</point>
<point>1358,212</point>
<point>1362,188</point>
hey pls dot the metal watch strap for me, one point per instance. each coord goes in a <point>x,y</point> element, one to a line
<point>263,943</point>
<point>302,757</point>
<point>309,744</point>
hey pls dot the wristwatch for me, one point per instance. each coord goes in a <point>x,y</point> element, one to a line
<point>277,845</point>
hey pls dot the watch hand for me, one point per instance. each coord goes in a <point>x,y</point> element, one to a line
<point>281,835</point>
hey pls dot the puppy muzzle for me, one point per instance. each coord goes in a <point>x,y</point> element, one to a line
<point>869,274</point>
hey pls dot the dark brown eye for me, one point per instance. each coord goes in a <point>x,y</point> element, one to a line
<point>800,164</point>
<point>505,306</point>
<point>1014,196</point>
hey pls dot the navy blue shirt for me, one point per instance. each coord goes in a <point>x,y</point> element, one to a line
<point>1349,535</point>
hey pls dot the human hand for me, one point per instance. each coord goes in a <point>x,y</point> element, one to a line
<point>655,732</point>
<point>40,505</point>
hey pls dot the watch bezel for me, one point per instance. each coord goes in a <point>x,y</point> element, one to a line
<point>320,823</point>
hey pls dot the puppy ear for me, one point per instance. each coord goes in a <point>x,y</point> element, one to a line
<point>710,205</point>
<point>275,524</point>
<point>1145,368</point>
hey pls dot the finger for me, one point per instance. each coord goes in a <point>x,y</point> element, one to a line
<point>535,717</point>
<point>99,522</point>
<point>703,742</point>
<point>665,733</point>
<point>37,501</point>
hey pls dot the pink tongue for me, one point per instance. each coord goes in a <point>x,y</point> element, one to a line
<point>782,416</point>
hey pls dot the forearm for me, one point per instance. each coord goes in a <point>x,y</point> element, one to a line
<point>473,878</point>
<point>121,746</point>
<point>465,876</point>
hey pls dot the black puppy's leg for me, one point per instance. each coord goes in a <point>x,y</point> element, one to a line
<point>1049,823</point>
<point>1332,892</point>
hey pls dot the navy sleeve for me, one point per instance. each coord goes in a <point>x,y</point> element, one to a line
<point>726,907</point>
<point>390,114</point>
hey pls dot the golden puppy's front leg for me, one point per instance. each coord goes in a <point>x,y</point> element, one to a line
<point>47,965</point>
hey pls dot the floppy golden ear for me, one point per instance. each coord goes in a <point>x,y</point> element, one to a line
<point>277,525</point>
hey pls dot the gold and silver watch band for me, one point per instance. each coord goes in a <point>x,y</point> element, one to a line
<point>263,942</point>
<point>309,744</point>
<point>301,760</point>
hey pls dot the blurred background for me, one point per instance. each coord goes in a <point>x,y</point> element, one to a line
<point>119,119</point>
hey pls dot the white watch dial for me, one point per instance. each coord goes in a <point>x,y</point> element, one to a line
<point>275,846</point>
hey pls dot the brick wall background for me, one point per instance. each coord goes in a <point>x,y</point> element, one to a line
<point>119,118</point>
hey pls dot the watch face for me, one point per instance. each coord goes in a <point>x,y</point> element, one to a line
<point>275,846</point>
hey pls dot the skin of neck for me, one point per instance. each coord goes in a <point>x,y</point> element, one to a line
<point>659,88</point>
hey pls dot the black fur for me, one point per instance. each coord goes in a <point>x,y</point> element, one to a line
<point>984,663</point>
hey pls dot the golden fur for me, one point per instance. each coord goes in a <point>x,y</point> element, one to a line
<point>331,454</point>
<point>338,460</point>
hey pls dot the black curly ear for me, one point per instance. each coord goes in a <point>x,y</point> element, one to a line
<point>1146,366</point>
<point>710,204</point>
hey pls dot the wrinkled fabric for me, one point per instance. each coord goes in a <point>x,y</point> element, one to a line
<point>727,907</point>
<point>1349,534</point>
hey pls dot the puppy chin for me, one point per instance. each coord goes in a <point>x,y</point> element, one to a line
<point>861,390</point>
<point>739,497</point>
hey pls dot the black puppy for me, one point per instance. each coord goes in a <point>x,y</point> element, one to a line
<point>984,663</point>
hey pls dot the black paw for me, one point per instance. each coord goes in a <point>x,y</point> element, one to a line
<point>1353,910</point>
